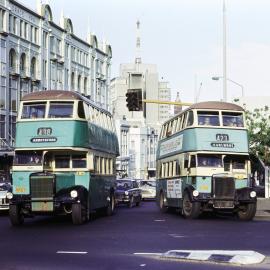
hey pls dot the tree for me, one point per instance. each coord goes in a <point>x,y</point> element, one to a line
<point>258,124</point>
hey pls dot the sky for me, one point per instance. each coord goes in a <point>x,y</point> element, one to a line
<point>183,38</point>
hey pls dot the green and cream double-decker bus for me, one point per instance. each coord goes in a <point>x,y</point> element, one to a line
<point>64,159</point>
<point>203,162</point>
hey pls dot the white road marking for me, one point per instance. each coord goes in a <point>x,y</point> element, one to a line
<point>143,265</point>
<point>71,252</point>
<point>159,220</point>
<point>177,235</point>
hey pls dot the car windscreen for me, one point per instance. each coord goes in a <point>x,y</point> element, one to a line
<point>148,184</point>
<point>33,110</point>
<point>24,158</point>
<point>122,185</point>
<point>61,110</point>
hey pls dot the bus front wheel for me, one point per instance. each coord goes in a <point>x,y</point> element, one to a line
<point>78,214</point>
<point>15,215</point>
<point>191,210</point>
<point>247,212</point>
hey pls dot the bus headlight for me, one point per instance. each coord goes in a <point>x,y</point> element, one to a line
<point>9,195</point>
<point>195,193</point>
<point>126,193</point>
<point>74,194</point>
<point>252,194</point>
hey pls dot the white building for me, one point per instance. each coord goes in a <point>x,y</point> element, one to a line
<point>38,54</point>
<point>139,130</point>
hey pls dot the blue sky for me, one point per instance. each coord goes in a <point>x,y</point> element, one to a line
<point>184,39</point>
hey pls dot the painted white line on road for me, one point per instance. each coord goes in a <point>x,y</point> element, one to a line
<point>177,235</point>
<point>147,254</point>
<point>71,252</point>
<point>143,265</point>
<point>159,220</point>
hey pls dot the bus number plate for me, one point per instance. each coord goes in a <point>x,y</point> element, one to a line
<point>44,131</point>
<point>222,137</point>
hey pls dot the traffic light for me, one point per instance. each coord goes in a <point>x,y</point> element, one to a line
<point>134,100</point>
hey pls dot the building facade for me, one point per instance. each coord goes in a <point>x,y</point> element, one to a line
<point>38,54</point>
<point>142,127</point>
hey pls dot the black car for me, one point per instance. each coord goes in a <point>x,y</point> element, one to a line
<point>128,192</point>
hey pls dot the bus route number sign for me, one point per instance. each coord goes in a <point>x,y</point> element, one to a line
<point>44,131</point>
<point>222,137</point>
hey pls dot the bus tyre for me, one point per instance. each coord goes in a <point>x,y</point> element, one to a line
<point>78,216</point>
<point>111,206</point>
<point>131,202</point>
<point>15,215</point>
<point>191,210</point>
<point>247,211</point>
<point>162,207</point>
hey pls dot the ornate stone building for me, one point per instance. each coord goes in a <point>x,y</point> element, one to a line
<point>38,54</point>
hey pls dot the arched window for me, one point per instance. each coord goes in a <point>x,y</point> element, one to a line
<point>33,67</point>
<point>12,59</point>
<point>72,81</point>
<point>85,85</point>
<point>79,83</point>
<point>23,62</point>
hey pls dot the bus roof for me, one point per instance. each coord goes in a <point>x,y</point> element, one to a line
<point>216,105</point>
<point>60,95</point>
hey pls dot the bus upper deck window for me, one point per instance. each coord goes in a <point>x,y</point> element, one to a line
<point>32,111</point>
<point>81,112</point>
<point>208,118</point>
<point>190,119</point>
<point>232,119</point>
<point>61,110</point>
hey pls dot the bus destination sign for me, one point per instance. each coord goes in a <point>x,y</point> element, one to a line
<point>222,145</point>
<point>43,139</point>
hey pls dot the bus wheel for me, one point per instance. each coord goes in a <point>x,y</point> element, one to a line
<point>162,207</point>
<point>111,206</point>
<point>78,215</point>
<point>247,212</point>
<point>15,215</point>
<point>190,209</point>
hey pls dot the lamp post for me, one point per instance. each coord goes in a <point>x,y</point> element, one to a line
<point>220,77</point>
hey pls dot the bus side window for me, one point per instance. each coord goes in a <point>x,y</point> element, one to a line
<point>186,162</point>
<point>190,119</point>
<point>192,161</point>
<point>184,121</point>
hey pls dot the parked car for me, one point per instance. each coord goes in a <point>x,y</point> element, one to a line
<point>148,188</point>
<point>128,192</point>
<point>5,187</point>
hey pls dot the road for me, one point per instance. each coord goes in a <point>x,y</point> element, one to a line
<point>110,242</point>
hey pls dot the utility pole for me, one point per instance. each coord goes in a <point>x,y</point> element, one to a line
<point>224,55</point>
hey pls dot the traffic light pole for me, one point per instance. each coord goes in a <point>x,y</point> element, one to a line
<point>166,102</point>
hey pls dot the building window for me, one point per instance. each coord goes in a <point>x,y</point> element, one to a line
<point>35,35</point>
<point>45,40</point>
<point>3,93</point>
<point>72,81</point>
<point>12,126</point>
<point>22,63</point>
<point>13,89</point>
<point>2,19</point>
<point>21,28</point>
<point>85,85</point>
<point>3,126</point>
<point>79,83</point>
<point>33,68</point>
<point>12,59</point>
<point>14,29</point>
<point>25,30</point>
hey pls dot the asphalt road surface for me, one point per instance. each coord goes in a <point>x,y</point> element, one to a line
<point>110,242</point>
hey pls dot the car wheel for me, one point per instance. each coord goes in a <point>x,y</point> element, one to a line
<point>15,215</point>
<point>247,212</point>
<point>131,202</point>
<point>111,207</point>
<point>162,207</point>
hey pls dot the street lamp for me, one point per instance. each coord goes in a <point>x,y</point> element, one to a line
<point>220,77</point>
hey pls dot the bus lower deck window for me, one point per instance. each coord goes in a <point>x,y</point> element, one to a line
<point>61,162</point>
<point>78,161</point>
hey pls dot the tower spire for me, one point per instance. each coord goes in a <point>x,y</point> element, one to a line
<point>138,58</point>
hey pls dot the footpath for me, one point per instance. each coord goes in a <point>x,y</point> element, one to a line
<point>263,209</point>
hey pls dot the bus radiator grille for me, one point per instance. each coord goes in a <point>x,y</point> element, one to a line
<point>223,188</point>
<point>42,187</point>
